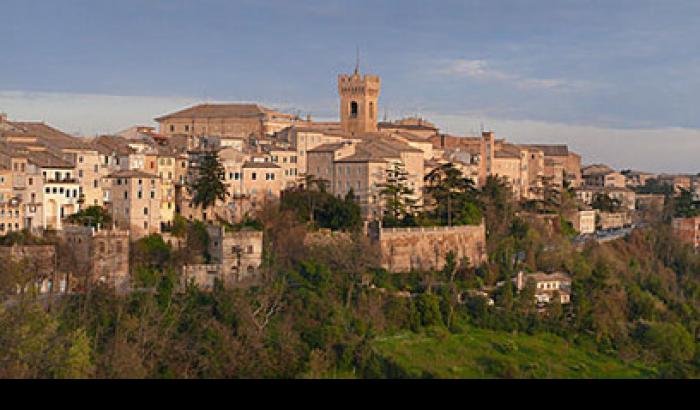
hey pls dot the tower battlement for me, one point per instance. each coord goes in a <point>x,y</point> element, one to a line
<point>359,96</point>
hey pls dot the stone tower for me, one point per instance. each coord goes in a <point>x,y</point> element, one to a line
<point>358,102</point>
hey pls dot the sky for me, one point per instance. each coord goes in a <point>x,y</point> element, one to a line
<point>618,81</point>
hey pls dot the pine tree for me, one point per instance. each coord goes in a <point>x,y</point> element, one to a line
<point>397,195</point>
<point>209,186</point>
<point>77,363</point>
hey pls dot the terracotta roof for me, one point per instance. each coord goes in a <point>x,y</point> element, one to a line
<point>507,151</point>
<point>131,173</point>
<point>406,126</point>
<point>47,136</point>
<point>251,164</point>
<point>222,111</point>
<point>331,147</point>
<point>541,276</point>
<point>46,159</point>
<point>550,150</point>
<point>109,144</point>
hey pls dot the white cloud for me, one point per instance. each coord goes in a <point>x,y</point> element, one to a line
<point>482,70</point>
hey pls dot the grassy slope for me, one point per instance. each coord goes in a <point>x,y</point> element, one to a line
<point>476,354</point>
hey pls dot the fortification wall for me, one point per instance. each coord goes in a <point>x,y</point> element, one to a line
<point>425,248</point>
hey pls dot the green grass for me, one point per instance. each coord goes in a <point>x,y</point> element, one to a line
<point>481,353</point>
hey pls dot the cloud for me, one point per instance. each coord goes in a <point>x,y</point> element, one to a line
<point>482,70</point>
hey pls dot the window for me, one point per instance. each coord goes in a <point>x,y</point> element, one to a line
<point>371,110</point>
<point>172,128</point>
<point>126,195</point>
<point>253,176</point>
<point>94,184</point>
<point>80,173</point>
<point>353,109</point>
<point>153,194</point>
<point>187,128</point>
<point>139,194</point>
<point>249,249</point>
<point>145,211</point>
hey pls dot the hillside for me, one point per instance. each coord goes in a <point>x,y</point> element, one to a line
<point>481,353</point>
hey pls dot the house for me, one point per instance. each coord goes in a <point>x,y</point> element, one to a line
<point>547,285</point>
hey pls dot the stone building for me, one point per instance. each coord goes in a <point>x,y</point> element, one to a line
<point>625,196</point>
<point>100,256</point>
<point>236,259</point>
<point>239,252</point>
<point>583,221</point>
<point>359,97</point>
<point>423,248</point>
<point>678,182</point>
<point>603,177</point>
<point>613,220</point>
<point>237,121</point>
<point>546,285</point>
<point>687,230</point>
<point>134,200</point>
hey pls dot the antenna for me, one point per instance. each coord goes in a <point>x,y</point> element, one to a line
<point>357,59</point>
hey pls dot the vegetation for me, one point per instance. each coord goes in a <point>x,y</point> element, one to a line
<point>209,186</point>
<point>482,353</point>
<point>605,203</point>
<point>95,216</point>
<point>313,204</point>
<point>454,197</point>
<point>327,310</point>
<point>398,197</point>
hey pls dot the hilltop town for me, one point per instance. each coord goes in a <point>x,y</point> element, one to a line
<point>142,178</point>
<point>232,197</point>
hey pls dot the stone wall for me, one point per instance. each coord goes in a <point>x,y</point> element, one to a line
<point>425,248</point>
<point>238,252</point>
<point>99,256</point>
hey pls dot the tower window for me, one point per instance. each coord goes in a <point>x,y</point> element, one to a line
<point>371,110</point>
<point>353,109</point>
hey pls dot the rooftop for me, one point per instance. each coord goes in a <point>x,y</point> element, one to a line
<point>131,173</point>
<point>240,110</point>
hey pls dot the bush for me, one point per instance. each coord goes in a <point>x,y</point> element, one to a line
<point>506,346</point>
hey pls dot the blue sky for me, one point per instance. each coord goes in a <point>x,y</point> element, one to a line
<point>607,77</point>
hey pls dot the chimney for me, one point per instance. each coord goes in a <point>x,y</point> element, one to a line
<point>308,118</point>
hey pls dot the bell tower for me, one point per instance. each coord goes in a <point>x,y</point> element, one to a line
<point>358,101</point>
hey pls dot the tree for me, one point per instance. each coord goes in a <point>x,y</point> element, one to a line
<point>498,205</point>
<point>95,216</point>
<point>548,195</point>
<point>605,203</point>
<point>209,186</point>
<point>670,341</point>
<point>397,195</point>
<point>76,363</point>
<point>454,195</point>
<point>685,206</point>
<point>310,185</point>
